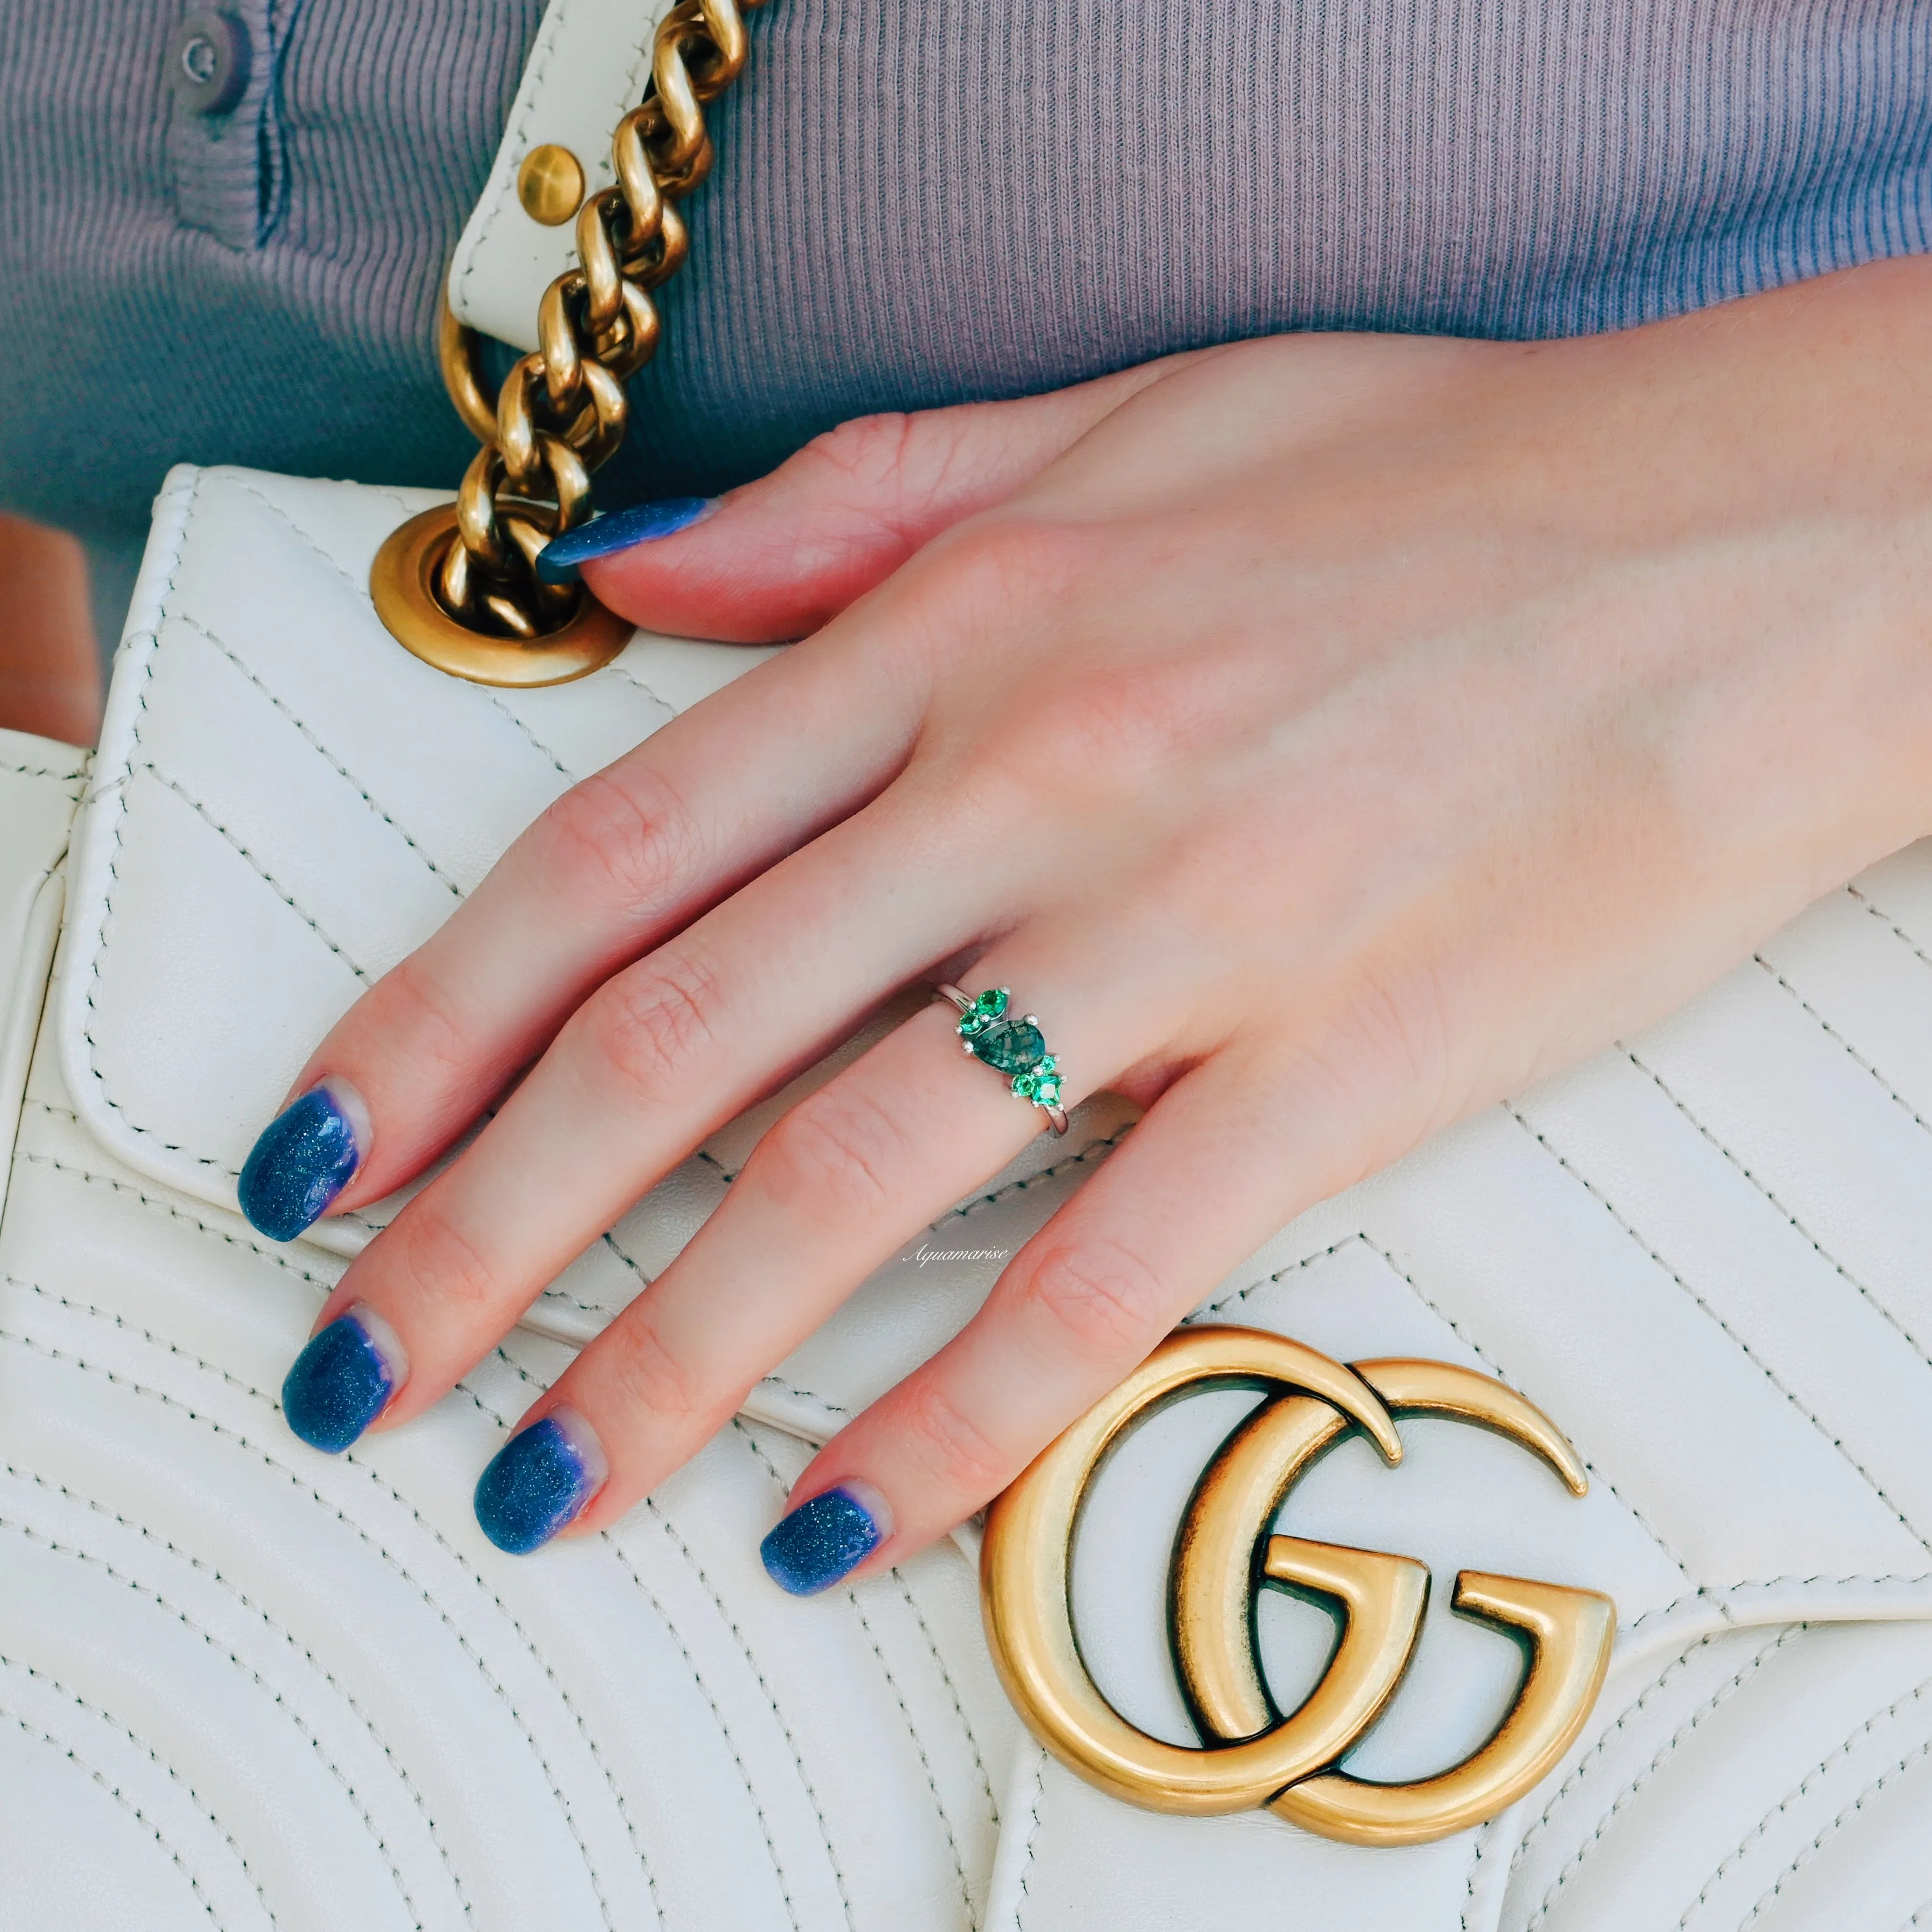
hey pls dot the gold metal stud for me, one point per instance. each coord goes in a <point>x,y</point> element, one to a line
<point>549,184</point>
<point>401,583</point>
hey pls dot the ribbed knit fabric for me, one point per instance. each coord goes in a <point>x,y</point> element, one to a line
<point>131,339</point>
<point>920,203</point>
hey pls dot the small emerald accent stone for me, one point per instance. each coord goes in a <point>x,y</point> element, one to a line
<point>1012,1046</point>
<point>987,1008</point>
<point>1040,1084</point>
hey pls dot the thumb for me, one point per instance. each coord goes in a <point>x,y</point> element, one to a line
<point>783,556</point>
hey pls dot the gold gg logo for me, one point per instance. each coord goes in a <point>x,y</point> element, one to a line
<point>1288,1762</point>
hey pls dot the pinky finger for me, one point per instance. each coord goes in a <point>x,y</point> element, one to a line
<point>1215,1168</point>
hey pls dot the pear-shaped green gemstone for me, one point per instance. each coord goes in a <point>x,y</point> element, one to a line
<point>1011,1047</point>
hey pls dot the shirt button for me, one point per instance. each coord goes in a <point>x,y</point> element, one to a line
<point>208,62</point>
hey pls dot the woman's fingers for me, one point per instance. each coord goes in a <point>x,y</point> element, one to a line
<point>619,862</point>
<point>660,1056</point>
<point>830,1192</point>
<point>781,556</point>
<point>636,852</point>
<point>1220,1162</point>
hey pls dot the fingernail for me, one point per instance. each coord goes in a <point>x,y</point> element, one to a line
<point>642,523</point>
<point>344,1379</point>
<point>305,1158</point>
<point>539,1481</point>
<point>826,1539</point>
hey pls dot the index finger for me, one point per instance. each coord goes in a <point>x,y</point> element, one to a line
<point>619,863</point>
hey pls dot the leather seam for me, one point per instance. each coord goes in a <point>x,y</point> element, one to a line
<point>97,959</point>
<point>114,1791</point>
<point>952,1691</point>
<point>48,1679</point>
<point>213,1572</point>
<point>1713,1593</point>
<point>919,1745</point>
<point>294,1716</point>
<point>260,871</point>
<point>698,1570</point>
<point>1483,1835</point>
<point>724,1729</point>
<point>1919,1752</point>
<point>1744,1347</point>
<point>1890,925</point>
<point>1581,1769</point>
<point>540,56</point>
<point>1032,1838</point>
<point>1838,1752</point>
<point>44,772</point>
<point>1665,1752</point>
<point>618,668</point>
<point>350,1459</point>
<point>335,763</point>
<point>1798,1227</point>
<point>93,1179</point>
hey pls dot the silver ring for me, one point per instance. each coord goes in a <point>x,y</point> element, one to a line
<point>1016,1048</point>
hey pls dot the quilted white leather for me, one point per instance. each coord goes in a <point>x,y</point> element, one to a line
<point>277,1685</point>
<point>243,1684</point>
<point>586,70</point>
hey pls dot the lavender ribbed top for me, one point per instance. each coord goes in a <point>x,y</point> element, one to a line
<point>916,203</point>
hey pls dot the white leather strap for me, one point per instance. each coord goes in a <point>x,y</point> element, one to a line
<point>586,70</point>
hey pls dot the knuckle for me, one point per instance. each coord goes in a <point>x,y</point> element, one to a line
<point>944,1441</point>
<point>617,845</point>
<point>650,1378</point>
<point>442,1265</point>
<point>834,1157</point>
<point>652,1025</point>
<point>859,456</point>
<point>1099,1296</point>
<point>998,565</point>
<point>1390,1044</point>
<point>413,1008</point>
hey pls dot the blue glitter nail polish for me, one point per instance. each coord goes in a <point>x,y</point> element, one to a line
<point>306,1156</point>
<point>642,523</point>
<point>821,1541</point>
<point>538,1482</point>
<point>343,1380</point>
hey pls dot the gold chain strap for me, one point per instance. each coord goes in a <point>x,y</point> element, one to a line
<point>458,586</point>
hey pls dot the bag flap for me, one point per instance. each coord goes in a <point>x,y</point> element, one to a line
<point>285,803</point>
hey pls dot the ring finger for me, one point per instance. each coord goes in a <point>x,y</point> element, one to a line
<point>659,1056</point>
<point>829,1193</point>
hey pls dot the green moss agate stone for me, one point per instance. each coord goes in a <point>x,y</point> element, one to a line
<point>1011,1047</point>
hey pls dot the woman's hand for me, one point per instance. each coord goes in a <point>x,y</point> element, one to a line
<point>1324,736</point>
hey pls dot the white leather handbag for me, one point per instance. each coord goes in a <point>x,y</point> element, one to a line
<point>245,1685</point>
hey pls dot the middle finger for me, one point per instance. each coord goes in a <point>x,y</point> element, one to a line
<point>659,1056</point>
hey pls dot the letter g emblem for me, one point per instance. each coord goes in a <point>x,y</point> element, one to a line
<point>1286,1763</point>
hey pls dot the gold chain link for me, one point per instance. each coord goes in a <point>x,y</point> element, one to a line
<point>458,585</point>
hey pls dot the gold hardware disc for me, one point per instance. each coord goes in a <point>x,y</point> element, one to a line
<point>400,581</point>
<point>549,184</point>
